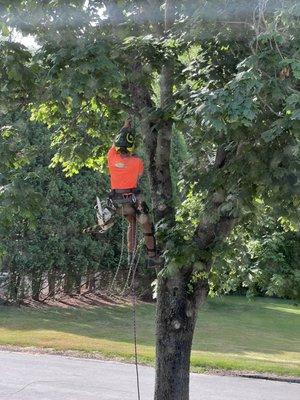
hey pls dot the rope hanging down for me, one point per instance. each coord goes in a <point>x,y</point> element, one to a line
<point>132,267</point>
<point>121,256</point>
<point>135,337</point>
<point>133,287</point>
<point>132,264</point>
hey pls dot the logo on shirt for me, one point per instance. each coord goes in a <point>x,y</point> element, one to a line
<point>120,165</point>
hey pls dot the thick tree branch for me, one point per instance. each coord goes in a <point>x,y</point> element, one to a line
<point>165,209</point>
<point>211,230</point>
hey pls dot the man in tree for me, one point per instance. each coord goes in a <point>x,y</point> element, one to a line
<point>125,169</point>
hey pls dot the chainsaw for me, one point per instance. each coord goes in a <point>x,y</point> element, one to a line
<point>104,216</point>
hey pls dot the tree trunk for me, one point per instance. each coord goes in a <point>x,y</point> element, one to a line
<point>68,284</point>
<point>175,323</point>
<point>78,283</point>
<point>14,284</point>
<point>51,283</point>
<point>174,335</point>
<point>36,283</point>
<point>179,295</point>
<point>90,281</point>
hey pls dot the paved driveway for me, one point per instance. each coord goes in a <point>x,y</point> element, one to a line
<point>26,376</point>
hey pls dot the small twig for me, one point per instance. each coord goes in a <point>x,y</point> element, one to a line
<point>278,114</point>
<point>278,49</point>
<point>237,23</point>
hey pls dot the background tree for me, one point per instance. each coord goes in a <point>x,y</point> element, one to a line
<point>259,258</point>
<point>43,213</point>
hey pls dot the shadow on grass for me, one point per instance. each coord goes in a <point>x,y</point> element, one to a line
<point>232,325</point>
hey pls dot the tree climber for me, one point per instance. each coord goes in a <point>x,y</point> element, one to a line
<point>125,169</point>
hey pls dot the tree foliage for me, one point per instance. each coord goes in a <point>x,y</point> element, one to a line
<point>260,258</point>
<point>221,76</point>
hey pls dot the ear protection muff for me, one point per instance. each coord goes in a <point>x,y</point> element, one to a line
<point>125,139</point>
<point>130,139</point>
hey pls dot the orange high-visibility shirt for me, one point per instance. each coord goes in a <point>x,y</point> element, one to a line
<point>124,169</point>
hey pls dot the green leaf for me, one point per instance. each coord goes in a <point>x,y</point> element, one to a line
<point>296,114</point>
<point>296,69</point>
<point>4,29</point>
<point>271,134</point>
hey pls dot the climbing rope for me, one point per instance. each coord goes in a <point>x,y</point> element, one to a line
<point>133,284</point>
<point>132,268</point>
<point>112,286</point>
<point>135,336</point>
<point>133,265</point>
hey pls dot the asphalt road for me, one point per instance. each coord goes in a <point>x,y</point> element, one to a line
<point>26,376</point>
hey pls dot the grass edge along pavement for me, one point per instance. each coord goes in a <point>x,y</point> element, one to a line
<point>232,334</point>
<point>98,356</point>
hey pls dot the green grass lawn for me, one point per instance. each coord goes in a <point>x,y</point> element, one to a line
<point>232,333</point>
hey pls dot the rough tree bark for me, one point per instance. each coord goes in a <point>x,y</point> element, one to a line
<point>175,323</point>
